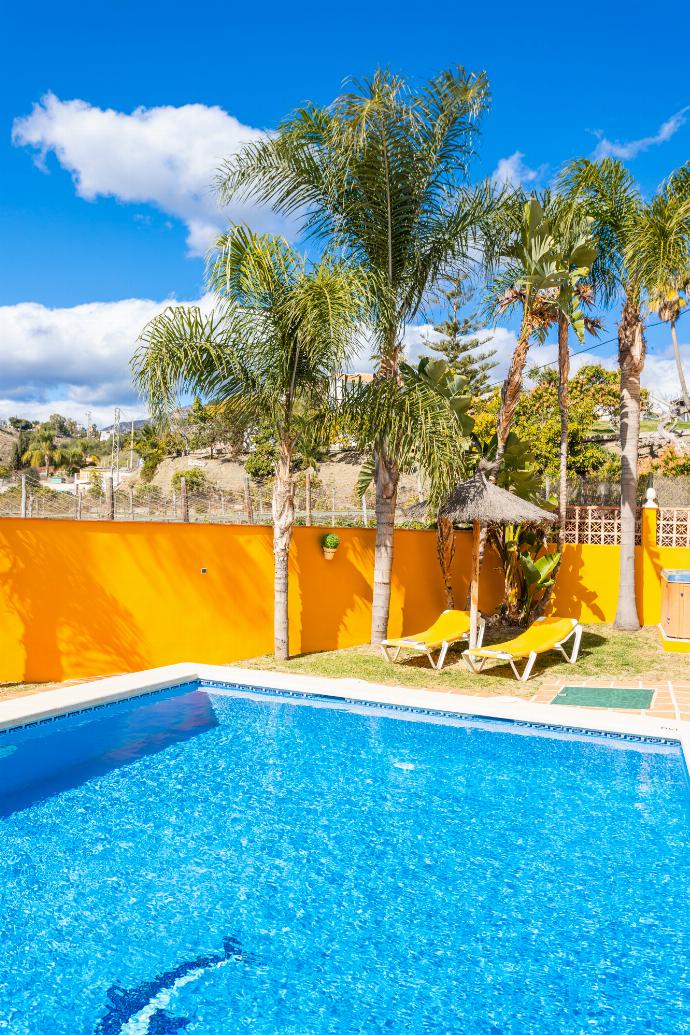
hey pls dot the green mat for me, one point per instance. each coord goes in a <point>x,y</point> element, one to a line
<point>604,697</point>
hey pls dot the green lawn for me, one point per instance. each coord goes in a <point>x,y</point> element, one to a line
<point>604,652</point>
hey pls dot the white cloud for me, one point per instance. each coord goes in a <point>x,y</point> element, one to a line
<point>71,360</point>
<point>660,375</point>
<point>631,148</point>
<point>166,156</point>
<point>76,359</point>
<point>512,172</point>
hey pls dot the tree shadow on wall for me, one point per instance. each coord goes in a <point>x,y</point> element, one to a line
<point>570,594</point>
<point>60,613</point>
<point>334,592</point>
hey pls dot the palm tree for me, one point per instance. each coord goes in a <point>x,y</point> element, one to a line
<point>668,306</point>
<point>539,274</point>
<point>643,248</point>
<point>577,248</point>
<point>380,175</point>
<point>279,331</point>
<point>76,456</point>
<point>42,450</point>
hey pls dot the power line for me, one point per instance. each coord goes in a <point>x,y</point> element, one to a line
<point>591,348</point>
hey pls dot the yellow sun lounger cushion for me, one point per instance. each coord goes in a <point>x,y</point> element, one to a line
<point>448,628</point>
<point>544,635</point>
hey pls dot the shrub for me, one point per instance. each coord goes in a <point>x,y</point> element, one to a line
<point>196,479</point>
<point>330,541</point>
<point>260,464</point>
<point>95,486</point>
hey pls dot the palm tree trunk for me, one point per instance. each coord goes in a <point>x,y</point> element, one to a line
<point>386,477</point>
<point>445,550</point>
<point>679,367</point>
<point>563,374</point>
<point>631,360</point>
<point>510,392</point>
<point>283,519</point>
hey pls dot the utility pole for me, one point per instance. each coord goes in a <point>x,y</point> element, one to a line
<point>115,449</point>
<point>131,448</point>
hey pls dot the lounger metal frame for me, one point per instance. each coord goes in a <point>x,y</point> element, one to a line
<point>421,648</point>
<point>499,655</point>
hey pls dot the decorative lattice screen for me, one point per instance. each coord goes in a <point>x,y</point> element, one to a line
<point>600,525</point>
<point>673,526</point>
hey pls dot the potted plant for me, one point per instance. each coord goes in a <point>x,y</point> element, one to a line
<point>329,544</point>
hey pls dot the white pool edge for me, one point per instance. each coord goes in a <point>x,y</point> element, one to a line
<point>52,703</point>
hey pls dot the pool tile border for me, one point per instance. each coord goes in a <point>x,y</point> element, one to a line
<point>51,704</point>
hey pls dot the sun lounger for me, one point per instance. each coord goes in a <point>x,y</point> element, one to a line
<point>448,628</point>
<point>544,635</point>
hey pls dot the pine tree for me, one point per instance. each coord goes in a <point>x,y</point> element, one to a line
<point>460,346</point>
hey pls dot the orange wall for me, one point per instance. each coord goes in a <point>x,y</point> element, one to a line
<point>89,598</point>
<point>587,584</point>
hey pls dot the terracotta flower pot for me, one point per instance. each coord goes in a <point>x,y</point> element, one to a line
<point>329,554</point>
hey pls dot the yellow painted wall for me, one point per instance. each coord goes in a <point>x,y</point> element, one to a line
<point>587,584</point>
<point>89,598</point>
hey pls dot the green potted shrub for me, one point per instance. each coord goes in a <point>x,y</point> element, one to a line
<point>329,544</point>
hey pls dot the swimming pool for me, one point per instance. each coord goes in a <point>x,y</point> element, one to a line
<point>208,859</point>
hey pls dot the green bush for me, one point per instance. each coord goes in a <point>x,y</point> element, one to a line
<point>261,463</point>
<point>95,486</point>
<point>330,541</point>
<point>196,479</point>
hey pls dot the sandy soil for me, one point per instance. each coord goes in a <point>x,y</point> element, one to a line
<point>339,473</point>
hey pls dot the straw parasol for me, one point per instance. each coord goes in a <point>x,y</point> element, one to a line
<point>478,501</point>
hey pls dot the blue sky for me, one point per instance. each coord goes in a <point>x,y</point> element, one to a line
<point>105,164</point>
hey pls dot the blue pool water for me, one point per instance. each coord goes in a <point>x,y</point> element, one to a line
<point>205,860</point>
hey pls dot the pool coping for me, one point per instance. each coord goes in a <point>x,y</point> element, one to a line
<point>50,704</point>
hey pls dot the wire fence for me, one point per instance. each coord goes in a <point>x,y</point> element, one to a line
<point>145,502</point>
<point>251,505</point>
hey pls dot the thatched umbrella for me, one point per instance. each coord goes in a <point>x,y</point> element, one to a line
<point>480,502</point>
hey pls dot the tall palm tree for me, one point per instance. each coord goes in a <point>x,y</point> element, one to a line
<point>668,299</point>
<point>380,175</point>
<point>668,306</point>
<point>643,247</point>
<point>279,331</point>
<point>577,249</point>
<point>538,274</point>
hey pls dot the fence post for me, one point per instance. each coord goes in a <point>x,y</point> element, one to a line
<point>365,516</point>
<point>23,504</point>
<point>78,504</point>
<point>109,499</point>
<point>307,495</point>
<point>131,505</point>
<point>333,508</point>
<point>30,512</point>
<point>184,501</point>
<point>248,503</point>
<point>174,505</point>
